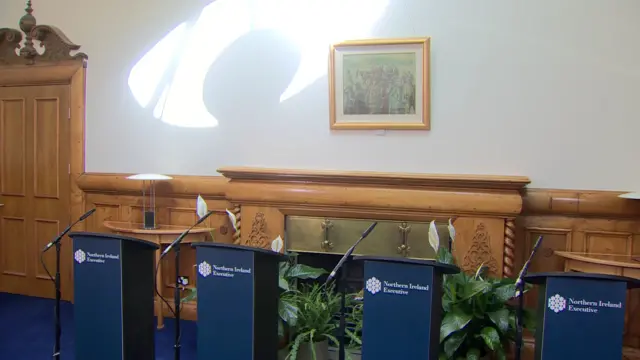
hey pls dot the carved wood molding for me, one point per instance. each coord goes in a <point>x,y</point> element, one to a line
<point>433,194</point>
<point>583,203</point>
<point>56,45</point>
<point>480,254</point>
<point>179,186</point>
<point>486,182</point>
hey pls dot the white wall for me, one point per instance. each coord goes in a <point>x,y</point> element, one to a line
<point>548,89</point>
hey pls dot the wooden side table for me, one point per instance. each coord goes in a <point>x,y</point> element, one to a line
<point>163,235</point>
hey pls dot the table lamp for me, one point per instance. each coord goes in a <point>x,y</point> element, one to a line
<point>149,197</point>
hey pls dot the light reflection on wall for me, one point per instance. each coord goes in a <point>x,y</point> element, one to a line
<point>173,72</point>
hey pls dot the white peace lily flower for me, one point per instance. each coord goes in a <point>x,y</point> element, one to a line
<point>434,239</point>
<point>201,207</point>
<point>452,231</point>
<point>277,244</point>
<point>232,218</point>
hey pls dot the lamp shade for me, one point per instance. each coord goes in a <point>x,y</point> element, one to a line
<point>149,177</point>
<point>631,195</point>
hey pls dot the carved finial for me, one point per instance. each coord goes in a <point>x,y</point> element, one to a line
<point>56,45</point>
<point>27,23</point>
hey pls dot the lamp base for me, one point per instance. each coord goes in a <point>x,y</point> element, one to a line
<point>149,220</point>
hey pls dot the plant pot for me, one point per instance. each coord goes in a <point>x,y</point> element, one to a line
<point>321,349</point>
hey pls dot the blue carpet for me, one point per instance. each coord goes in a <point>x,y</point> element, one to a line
<point>27,331</point>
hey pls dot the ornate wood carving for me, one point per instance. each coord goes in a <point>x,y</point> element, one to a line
<point>56,45</point>
<point>10,40</point>
<point>258,236</point>
<point>509,256</point>
<point>237,211</point>
<point>480,252</point>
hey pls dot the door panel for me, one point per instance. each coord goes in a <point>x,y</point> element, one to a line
<point>34,186</point>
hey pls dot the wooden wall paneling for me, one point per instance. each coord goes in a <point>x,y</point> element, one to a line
<point>581,221</point>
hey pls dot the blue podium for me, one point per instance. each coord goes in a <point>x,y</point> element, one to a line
<point>238,295</point>
<point>580,315</point>
<point>402,307</point>
<point>113,297</point>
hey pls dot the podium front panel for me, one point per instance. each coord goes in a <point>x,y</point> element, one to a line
<point>581,319</point>
<point>225,304</point>
<point>97,297</point>
<point>398,301</point>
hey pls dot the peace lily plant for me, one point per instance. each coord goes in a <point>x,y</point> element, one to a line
<point>479,320</point>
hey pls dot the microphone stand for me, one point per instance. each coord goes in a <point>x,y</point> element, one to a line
<point>56,281</point>
<point>57,324</point>
<point>342,288</point>
<point>176,302</point>
<point>520,287</point>
<point>176,291</point>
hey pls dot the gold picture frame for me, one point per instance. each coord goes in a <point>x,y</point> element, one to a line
<point>380,84</point>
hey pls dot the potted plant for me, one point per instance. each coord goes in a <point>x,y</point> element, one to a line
<point>354,329</point>
<point>290,273</point>
<point>315,325</point>
<point>479,320</point>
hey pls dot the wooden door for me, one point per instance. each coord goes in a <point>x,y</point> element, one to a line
<point>34,187</point>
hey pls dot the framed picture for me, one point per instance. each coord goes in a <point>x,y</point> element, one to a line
<point>380,84</point>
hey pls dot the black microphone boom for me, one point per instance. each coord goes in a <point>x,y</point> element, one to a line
<point>350,251</point>
<point>519,294</point>
<point>179,239</point>
<point>176,290</point>
<point>65,231</point>
<point>342,287</point>
<point>56,280</point>
<point>525,267</point>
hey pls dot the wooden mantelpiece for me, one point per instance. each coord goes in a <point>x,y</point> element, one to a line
<point>484,207</point>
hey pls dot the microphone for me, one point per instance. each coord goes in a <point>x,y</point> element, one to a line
<point>65,231</point>
<point>520,280</point>
<point>185,233</point>
<point>350,251</point>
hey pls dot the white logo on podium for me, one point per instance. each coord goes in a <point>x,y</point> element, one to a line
<point>204,269</point>
<point>557,303</point>
<point>80,256</point>
<point>373,285</point>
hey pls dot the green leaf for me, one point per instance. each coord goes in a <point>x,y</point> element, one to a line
<point>288,310</point>
<point>280,328</point>
<point>453,342</point>
<point>473,354</point>
<point>491,337</point>
<point>475,287</point>
<point>301,271</point>
<point>504,292</point>
<point>501,319</point>
<point>193,294</point>
<point>444,256</point>
<point>283,283</point>
<point>283,267</point>
<point>453,321</point>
